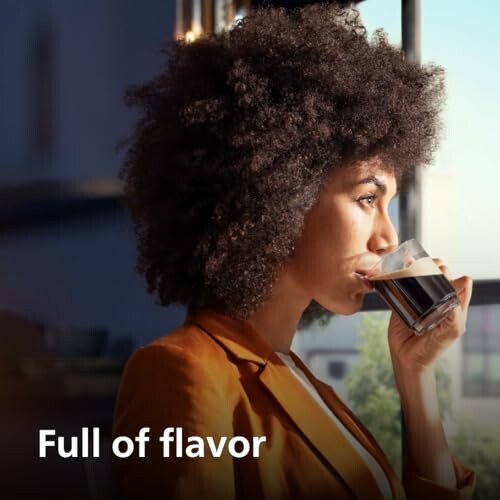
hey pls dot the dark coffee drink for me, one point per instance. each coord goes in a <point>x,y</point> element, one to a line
<point>419,293</point>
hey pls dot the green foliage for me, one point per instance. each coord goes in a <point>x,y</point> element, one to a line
<point>372,389</point>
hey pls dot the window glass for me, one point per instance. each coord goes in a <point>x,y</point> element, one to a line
<point>460,190</point>
<point>481,355</point>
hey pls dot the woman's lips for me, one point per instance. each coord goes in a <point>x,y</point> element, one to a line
<point>363,279</point>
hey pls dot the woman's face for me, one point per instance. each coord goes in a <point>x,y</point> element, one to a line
<point>346,231</point>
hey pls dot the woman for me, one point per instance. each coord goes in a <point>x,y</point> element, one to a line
<point>259,178</point>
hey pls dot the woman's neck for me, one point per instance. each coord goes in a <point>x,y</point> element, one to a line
<point>277,318</point>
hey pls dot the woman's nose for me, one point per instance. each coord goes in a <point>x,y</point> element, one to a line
<point>385,238</point>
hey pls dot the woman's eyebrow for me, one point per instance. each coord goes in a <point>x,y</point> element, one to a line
<point>381,186</point>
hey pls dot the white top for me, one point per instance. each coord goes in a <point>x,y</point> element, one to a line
<point>376,470</point>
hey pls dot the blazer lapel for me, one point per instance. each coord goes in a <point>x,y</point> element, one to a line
<point>353,424</point>
<point>317,427</point>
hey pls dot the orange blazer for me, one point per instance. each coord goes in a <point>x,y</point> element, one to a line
<point>216,376</point>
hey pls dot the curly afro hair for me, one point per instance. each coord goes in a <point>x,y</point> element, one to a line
<point>237,136</point>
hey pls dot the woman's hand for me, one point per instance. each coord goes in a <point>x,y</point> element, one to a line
<point>416,354</point>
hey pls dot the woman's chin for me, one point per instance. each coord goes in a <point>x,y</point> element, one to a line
<point>355,307</point>
<point>346,308</point>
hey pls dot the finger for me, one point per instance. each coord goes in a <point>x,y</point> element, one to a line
<point>399,328</point>
<point>463,286</point>
<point>444,269</point>
<point>454,325</point>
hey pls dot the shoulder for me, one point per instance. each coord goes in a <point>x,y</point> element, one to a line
<point>187,339</point>
<point>187,357</point>
<point>177,381</point>
<point>185,346</point>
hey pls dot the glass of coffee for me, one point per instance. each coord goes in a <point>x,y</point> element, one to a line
<point>414,287</point>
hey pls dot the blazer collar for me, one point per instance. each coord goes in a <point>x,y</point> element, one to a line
<point>236,335</point>
<point>245,343</point>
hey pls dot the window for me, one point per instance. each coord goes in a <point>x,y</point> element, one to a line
<point>481,353</point>
<point>336,369</point>
<point>461,188</point>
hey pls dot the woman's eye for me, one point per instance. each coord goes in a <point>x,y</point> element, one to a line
<point>367,200</point>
